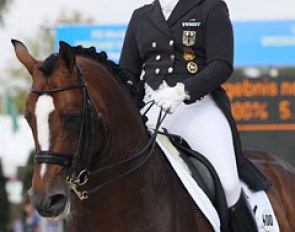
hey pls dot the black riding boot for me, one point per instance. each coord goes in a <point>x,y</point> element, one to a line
<point>241,218</point>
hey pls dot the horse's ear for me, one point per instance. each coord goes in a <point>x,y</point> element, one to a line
<point>67,55</point>
<point>23,55</point>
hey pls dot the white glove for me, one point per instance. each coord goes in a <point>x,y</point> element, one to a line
<point>168,98</point>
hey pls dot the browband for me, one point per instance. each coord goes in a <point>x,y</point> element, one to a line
<point>37,91</point>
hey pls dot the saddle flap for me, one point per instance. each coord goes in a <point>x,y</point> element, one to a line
<point>199,169</point>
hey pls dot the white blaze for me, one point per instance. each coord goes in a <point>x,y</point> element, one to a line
<point>44,106</point>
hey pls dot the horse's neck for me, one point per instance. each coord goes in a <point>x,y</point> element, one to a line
<point>131,195</point>
<point>151,199</point>
<point>126,133</point>
<point>148,196</point>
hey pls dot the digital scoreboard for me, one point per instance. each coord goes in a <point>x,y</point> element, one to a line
<point>263,104</point>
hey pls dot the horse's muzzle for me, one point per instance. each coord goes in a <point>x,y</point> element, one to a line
<point>49,205</point>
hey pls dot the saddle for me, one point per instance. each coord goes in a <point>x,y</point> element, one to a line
<point>204,174</point>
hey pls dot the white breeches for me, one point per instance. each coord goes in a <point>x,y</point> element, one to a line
<point>206,129</point>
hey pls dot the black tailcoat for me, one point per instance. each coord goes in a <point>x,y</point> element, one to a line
<point>198,33</point>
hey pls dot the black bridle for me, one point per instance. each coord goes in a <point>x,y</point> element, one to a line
<point>79,163</point>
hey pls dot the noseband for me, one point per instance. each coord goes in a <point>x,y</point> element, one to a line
<point>79,163</point>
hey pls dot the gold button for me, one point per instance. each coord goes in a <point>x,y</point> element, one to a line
<point>158,57</point>
<point>172,57</point>
<point>157,71</point>
<point>170,70</point>
<point>171,42</point>
<point>154,44</point>
<point>192,67</point>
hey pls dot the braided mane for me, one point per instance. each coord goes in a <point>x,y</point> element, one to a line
<point>135,92</point>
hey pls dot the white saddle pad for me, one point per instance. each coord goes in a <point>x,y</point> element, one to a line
<point>263,211</point>
<point>266,219</point>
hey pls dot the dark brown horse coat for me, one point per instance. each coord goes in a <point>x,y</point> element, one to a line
<point>152,199</point>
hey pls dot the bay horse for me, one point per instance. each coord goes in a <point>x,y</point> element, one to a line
<point>91,140</point>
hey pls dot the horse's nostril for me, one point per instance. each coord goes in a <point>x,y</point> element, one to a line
<point>58,201</point>
<point>51,206</point>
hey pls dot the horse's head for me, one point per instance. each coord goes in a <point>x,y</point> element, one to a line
<point>58,110</point>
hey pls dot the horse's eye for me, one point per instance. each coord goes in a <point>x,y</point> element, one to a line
<point>72,119</point>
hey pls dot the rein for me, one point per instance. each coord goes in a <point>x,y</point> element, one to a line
<point>78,176</point>
<point>148,147</point>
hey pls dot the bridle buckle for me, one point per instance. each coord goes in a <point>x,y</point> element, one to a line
<point>80,180</point>
<point>82,195</point>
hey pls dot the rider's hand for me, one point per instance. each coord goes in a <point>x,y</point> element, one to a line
<point>168,98</point>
